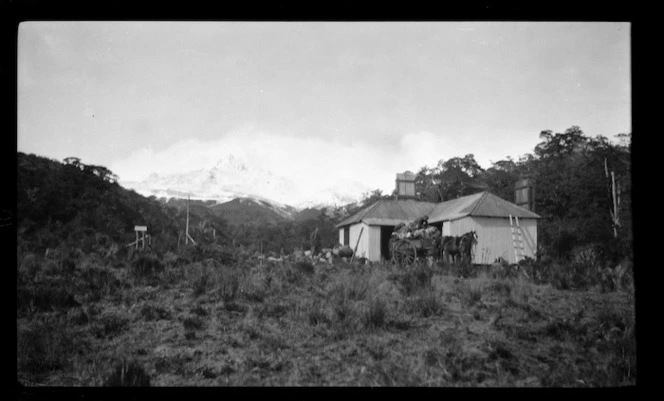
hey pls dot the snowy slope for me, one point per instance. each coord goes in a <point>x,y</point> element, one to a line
<point>232,178</point>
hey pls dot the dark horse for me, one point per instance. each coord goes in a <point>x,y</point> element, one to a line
<point>458,248</point>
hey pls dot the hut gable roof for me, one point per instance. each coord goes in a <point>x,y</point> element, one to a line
<point>481,204</point>
<point>390,212</point>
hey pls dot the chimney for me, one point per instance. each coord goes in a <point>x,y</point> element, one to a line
<point>406,185</point>
<point>524,194</point>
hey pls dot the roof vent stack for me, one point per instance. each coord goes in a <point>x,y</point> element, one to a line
<point>524,194</point>
<point>406,185</point>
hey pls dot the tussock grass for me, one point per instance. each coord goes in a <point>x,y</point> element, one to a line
<point>146,267</point>
<point>353,286</point>
<point>317,314</point>
<point>253,288</point>
<point>305,266</point>
<point>375,315</point>
<point>53,295</point>
<point>109,325</point>
<point>44,346</point>
<point>413,279</point>
<point>193,322</point>
<point>151,312</point>
<point>98,282</point>
<point>471,293</point>
<point>428,303</point>
<point>228,284</point>
<point>127,374</point>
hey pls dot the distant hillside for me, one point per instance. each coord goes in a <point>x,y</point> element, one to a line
<point>247,211</point>
<point>82,206</point>
<point>308,214</point>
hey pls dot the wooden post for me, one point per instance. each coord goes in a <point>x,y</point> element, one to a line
<point>136,239</point>
<point>186,237</point>
<point>313,241</point>
<point>356,244</point>
<point>616,221</point>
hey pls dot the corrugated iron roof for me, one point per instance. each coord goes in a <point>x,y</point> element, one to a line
<point>481,204</point>
<point>390,212</point>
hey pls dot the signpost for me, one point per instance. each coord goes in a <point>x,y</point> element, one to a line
<point>143,230</point>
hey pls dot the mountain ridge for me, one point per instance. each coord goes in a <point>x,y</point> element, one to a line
<point>231,178</point>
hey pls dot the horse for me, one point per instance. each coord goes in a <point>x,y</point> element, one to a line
<point>458,248</point>
<point>466,243</point>
<point>449,247</point>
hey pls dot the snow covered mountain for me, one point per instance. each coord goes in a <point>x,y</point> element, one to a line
<point>232,178</point>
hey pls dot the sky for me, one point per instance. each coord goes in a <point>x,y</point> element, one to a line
<point>314,100</point>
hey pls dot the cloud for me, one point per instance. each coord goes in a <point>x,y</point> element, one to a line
<point>316,163</point>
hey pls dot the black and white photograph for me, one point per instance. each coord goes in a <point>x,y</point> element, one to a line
<point>324,204</point>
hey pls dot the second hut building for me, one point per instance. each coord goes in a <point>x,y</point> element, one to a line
<point>488,215</point>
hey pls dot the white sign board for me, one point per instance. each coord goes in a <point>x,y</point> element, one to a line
<point>140,228</point>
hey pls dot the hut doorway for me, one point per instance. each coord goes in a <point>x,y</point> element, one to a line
<point>385,235</point>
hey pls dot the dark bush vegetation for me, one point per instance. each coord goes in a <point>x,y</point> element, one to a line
<point>127,374</point>
<point>109,325</point>
<point>46,296</point>
<point>146,266</point>
<point>375,316</point>
<point>193,322</point>
<point>151,312</point>
<point>46,345</point>
<point>413,279</point>
<point>428,303</point>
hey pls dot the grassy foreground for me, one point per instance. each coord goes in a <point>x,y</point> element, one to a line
<point>90,321</point>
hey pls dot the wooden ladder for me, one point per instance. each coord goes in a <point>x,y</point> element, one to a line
<point>517,238</point>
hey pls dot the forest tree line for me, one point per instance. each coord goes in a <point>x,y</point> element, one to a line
<point>575,178</point>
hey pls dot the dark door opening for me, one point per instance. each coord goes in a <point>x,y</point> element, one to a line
<point>346,235</point>
<point>385,235</point>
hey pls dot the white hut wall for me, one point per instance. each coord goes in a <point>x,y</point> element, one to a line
<point>494,237</point>
<point>373,237</point>
<point>363,245</point>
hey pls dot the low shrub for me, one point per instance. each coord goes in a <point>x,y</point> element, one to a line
<point>316,314</point>
<point>305,267</point>
<point>109,325</point>
<point>127,374</point>
<point>414,279</point>
<point>253,289</point>
<point>151,312</point>
<point>375,315</point>
<point>193,322</point>
<point>470,293</point>
<point>343,311</point>
<point>428,303</point>
<point>51,295</point>
<point>97,282</point>
<point>520,291</point>
<point>228,284</point>
<point>44,346</point>
<point>501,287</point>
<point>201,283</point>
<point>77,316</point>
<point>199,310</point>
<point>354,287</point>
<point>146,266</point>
